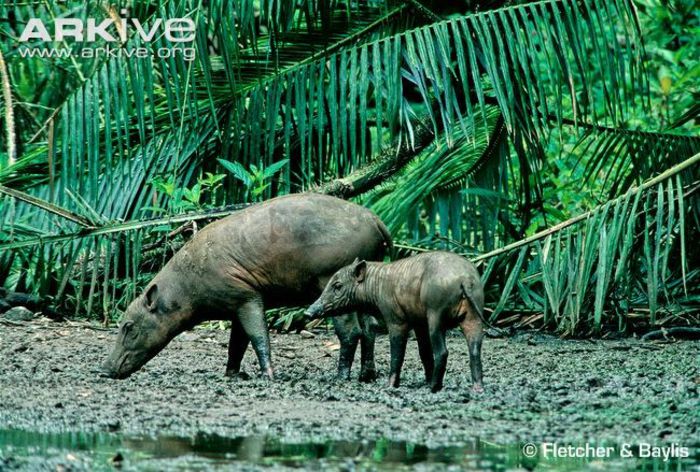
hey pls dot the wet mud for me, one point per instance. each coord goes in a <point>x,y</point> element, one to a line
<point>537,388</point>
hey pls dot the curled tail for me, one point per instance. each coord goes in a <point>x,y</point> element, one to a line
<point>388,244</point>
<point>467,296</point>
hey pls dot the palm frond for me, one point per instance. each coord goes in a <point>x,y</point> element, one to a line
<point>112,126</point>
<point>444,64</point>
<point>628,157</point>
<point>341,92</point>
<point>598,267</point>
<point>437,169</point>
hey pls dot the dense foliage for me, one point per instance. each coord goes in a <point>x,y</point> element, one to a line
<point>555,142</point>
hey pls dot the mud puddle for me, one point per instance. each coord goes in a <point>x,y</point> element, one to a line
<point>20,450</point>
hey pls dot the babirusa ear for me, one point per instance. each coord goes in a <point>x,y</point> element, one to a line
<point>359,270</point>
<point>151,298</point>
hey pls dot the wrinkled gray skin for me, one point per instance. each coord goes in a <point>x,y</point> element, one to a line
<point>278,253</point>
<point>430,293</point>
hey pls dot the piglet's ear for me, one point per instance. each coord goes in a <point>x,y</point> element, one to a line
<point>151,298</point>
<point>359,270</point>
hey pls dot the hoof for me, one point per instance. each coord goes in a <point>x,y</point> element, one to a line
<point>343,375</point>
<point>435,388</point>
<point>477,388</point>
<point>268,374</point>
<point>240,375</point>
<point>368,376</point>
<point>394,381</point>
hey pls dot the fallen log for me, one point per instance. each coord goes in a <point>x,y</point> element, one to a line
<point>9,299</point>
<point>682,332</point>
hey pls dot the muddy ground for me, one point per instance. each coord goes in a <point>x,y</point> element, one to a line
<point>537,388</point>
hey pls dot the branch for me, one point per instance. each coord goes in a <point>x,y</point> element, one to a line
<point>387,164</point>
<point>43,204</point>
<point>9,114</point>
<point>677,332</point>
<point>127,226</point>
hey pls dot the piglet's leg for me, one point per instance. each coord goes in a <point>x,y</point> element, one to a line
<point>474,333</point>
<point>252,318</point>
<point>425,350</point>
<point>347,328</point>
<point>398,336</point>
<point>437,341</point>
<point>369,333</point>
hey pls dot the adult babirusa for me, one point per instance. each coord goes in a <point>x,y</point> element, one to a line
<point>278,253</point>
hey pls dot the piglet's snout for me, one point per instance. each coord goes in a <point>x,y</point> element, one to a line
<point>314,311</point>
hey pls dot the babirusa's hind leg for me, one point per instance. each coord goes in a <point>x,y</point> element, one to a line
<point>237,345</point>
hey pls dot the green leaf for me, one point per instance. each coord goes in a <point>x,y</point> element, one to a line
<point>274,168</point>
<point>238,171</point>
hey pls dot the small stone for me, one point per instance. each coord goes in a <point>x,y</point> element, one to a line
<point>19,313</point>
<point>307,334</point>
<point>114,425</point>
<point>117,460</point>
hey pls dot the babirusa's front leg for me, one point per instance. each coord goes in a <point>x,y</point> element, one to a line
<point>252,318</point>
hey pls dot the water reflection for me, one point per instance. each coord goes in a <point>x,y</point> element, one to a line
<point>259,449</point>
<point>96,450</point>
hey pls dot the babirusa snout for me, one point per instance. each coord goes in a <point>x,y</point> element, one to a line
<point>314,311</point>
<point>108,370</point>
